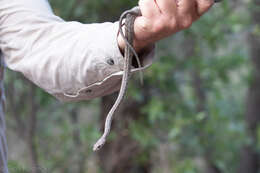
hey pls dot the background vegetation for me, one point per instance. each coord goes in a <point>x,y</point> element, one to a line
<point>198,110</point>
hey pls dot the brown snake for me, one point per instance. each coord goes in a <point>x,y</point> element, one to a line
<point>129,16</point>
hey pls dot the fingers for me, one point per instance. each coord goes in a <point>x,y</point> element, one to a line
<point>148,8</point>
<point>187,13</point>
<point>203,6</point>
<point>186,7</point>
<point>167,6</point>
<point>190,10</point>
<point>161,18</point>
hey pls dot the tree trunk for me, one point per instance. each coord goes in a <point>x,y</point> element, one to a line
<point>118,155</point>
<point>200,94</point>
<point>3,144</point>
<point>211,167</point>
<point>79,148</point>
<point>201,106</point>
<point>249,156</point>
<point>31,135</point>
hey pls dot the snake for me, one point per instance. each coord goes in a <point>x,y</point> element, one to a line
<point>128,37</point>
<point>129,16</point>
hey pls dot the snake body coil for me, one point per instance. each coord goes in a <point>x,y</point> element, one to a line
<point>129,16</point>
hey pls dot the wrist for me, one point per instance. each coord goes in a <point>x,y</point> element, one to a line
<point>140,42</point>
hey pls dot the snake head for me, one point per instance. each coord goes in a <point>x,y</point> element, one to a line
<point>99,144</point>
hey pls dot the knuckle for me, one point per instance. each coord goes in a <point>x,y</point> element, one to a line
<point>166,25</point>
<point>207,4</point>
<point>186,22</point>
<point>204,6</point>
<point>145,26</point>
<point>210,2</point>
<point>170,23</point>
<point>158,27</point>
<point>173,24</point>
<point>161,24</point>
<point>166,22</point>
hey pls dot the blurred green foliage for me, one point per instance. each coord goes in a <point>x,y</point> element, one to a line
<point>196,91</point>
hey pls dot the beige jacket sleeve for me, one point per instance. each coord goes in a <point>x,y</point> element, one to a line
<point>69,60</point>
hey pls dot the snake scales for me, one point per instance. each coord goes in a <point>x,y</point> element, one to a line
<point>128,37</point>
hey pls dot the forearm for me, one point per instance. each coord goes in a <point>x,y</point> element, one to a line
<point>69,60</point>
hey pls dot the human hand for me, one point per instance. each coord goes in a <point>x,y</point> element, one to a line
<point>162,18</point>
